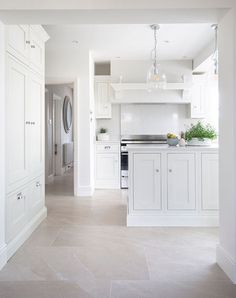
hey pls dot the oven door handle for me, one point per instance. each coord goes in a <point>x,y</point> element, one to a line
<point>124,153</point>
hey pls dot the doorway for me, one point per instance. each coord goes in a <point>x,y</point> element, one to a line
<point>59,139</point>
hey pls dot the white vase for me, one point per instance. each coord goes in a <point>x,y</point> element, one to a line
<point>197,142</point>
<point>103,137</point>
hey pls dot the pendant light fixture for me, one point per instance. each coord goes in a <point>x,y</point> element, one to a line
<point>155,79</point>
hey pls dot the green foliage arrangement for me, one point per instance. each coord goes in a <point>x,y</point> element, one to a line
<point>201,132</point>
<point>103,130</point>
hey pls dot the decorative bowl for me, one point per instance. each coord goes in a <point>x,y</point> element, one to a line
<point>197,142</point>
<point>172,142</point>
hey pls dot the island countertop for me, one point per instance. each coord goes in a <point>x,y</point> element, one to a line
<point>165,147</point>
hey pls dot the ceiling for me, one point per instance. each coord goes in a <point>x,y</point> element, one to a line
<point>132,41</point>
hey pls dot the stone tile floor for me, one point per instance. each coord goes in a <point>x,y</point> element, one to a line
<point>83,249</point>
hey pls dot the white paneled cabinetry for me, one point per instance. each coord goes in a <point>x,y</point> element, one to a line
<point>173,187</point>
<point>107,167</point>
<point>24,131</point>
<point>198,97</point>
<point>102,95</point>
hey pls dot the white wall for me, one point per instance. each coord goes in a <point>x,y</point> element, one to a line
<point>226,254</point>
<point>2,147</point>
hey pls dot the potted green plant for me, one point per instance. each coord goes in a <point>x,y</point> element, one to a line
<point>200,134</point>
<point>103,135</point>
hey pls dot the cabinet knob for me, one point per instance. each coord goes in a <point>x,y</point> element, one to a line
<point>32,46</point>
<point>27,122</point>
<point>38,184</point>
<point>107,147</point>
<point>170,170</point>
<point>19,196</point>
<point>157,170</point>
<point>27,41</point>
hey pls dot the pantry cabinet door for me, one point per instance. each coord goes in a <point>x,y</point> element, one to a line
<point>102,100</point>
<point>36,52</point>
<point>181,182</point>
<point>146,181</point>
<point>16,123</point>
<point>209,180</point>
<point>18,43</point>
<point>36,117</point>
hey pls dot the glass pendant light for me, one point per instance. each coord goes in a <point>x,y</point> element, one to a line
<point>155,79</point>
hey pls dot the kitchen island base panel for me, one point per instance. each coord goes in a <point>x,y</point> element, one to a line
<point>172,221</point>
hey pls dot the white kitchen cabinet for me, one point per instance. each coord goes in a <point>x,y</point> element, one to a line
<point>36,51</point>
<point>35,108</point>
<point>17,123</point>
<point>107,169</point>
<point>147,182</point>
<point>103,106</point>
<point>36,196</point>
<point>198,97</point>
<point>209,181</point>
<point>24,133</point>
<point>18,42</point>
<point>181,184</point>
<point>17,212</point>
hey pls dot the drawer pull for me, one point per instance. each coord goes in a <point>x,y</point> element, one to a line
<point>38,184</point>
<point>32,46</point>
<point>27,41</point>
<point>107,147</point>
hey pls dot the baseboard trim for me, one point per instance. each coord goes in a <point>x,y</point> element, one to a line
<point>3,256</point>
<point>16,243</point>
<point>84,191</point>
<point>171,221</point>
<point>226,263</point>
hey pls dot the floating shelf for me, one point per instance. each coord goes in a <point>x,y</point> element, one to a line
<point>118,87</point>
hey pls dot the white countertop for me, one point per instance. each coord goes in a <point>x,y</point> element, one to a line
<point>150,147</point>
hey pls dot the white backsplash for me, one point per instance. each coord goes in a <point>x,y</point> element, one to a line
<point>154,118</point>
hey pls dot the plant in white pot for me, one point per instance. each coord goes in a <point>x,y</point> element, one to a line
<point>103,135</point>
<point>200,134</point>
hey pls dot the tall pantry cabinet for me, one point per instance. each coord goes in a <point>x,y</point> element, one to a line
<point>25,197</point>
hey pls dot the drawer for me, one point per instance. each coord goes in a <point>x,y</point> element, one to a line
<point>17,211</point>
<point>36,196</point>
<point>107,147</point>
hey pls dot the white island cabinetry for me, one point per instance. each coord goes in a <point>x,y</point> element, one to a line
<point>172,186</point>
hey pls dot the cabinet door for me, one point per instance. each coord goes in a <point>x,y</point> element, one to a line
<point>18,41</point>
<point>36,196</point>
<point>181,182</point>
<point>16,123</point>
<point>107,170</point>
<point>102,100</point>
<point>36,52</point>
<point>36,128</point>
<point>210,183</point>
<point>17,209</point>
<point>147,182</point>
<point>198,98</point>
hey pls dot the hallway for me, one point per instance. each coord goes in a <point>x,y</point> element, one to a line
<point>83,249</point>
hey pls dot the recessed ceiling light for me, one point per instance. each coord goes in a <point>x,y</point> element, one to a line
<point>166,41</point>
<point>75,41</point>
<point>117,57</point>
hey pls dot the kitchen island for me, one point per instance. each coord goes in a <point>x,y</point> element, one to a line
<point>172,186</point>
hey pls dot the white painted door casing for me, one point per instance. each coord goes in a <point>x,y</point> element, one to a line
<point>147,181</point>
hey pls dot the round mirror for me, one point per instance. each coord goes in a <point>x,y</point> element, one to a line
<point>67,114</point>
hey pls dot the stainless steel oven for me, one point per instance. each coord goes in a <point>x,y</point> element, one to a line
<point>134,140</point>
